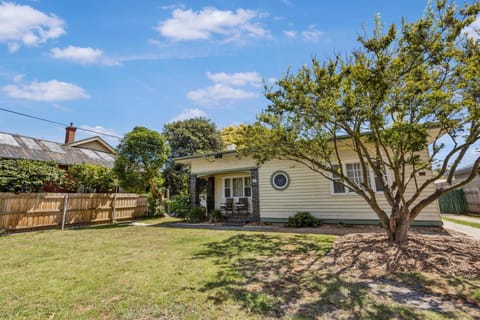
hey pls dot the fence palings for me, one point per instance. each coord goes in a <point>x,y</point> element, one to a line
<point>34,210</point>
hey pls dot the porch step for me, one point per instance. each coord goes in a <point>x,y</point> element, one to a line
<point>236,220</point>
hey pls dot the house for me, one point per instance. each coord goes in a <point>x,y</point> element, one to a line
<point>91,150</point>
<point>280,188</point>
<point>463,173</point>
<point>471,190</point>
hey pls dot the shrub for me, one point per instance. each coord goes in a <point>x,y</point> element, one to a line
<point>216,215</point>
<point>155,207</point>
<point>179,205</point>
<point>303,219</point>
<point>196,214</point>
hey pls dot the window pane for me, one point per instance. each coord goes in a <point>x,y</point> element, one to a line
<point>227,190</point>
<point>354,172</point>
<point>378,184</point>
<point>248,192</point>
<point>247,182</point>
<point>338,187</point>
<point>237,187</point>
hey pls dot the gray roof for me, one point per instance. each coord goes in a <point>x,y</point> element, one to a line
<point>464,170</point>
<point>14,146</point>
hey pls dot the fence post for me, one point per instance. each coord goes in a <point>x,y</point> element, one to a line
<point>65,204</point>
<point>114,207</point>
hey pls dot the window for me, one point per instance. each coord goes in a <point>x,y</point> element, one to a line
<point>280,180</point>
<point>338,187</point>
<point>247,189</point>
<point>227,189</point>
<point>237,187</point>
<point>355,173</point>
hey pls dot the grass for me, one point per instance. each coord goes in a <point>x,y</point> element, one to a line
<point>463,222</point>
<point>132,272</point>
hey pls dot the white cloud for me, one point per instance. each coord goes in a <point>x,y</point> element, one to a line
<point>312,34</point>
<point>49,91</point>
<point>215,95</point>
<point>473,30</point>
<point>222,92</point>
<point>81,55</point>
<point>236,79</point>
<point>188,114</point>
<point>22,24</point>
<point>290,33</point>
<point>187,25</point>
<point>18,77</point>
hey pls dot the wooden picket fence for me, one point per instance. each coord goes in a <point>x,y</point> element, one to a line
<point>57,210</point>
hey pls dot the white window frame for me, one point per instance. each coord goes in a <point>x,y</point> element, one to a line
<point>243,186</point>
<point>348,192</point>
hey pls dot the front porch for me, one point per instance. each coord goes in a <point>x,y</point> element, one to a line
<point>212,189</point>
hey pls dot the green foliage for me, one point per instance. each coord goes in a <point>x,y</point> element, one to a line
<point>186,138</point>
<point>179,205</point>
<point>216,216</point>
<point>385,103</point>
<point>28,175</point>
<point>196,214</point>
<point>141,155</point>
<point>303,219</point>
<point>233,134</point>
<point>155,206</point>
<point>91,178</point>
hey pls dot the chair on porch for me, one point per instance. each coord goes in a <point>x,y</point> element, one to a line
<point>227,206</point>
<point>242,205</point>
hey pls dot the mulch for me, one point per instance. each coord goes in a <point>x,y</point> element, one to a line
<point>439,253</point>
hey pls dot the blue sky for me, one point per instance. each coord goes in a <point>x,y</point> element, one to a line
<point>112,65</point>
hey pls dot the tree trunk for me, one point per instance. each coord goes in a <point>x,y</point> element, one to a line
<point>398,232</point>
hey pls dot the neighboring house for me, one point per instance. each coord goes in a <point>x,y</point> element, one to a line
<point>91,150</point>
<point>471,189</point>
<point>280,188</point>
<point>463,173</point>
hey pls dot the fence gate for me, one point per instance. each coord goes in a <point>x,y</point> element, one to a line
<point>453,202</point>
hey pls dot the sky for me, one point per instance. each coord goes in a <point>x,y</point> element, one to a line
<point>112,65</point>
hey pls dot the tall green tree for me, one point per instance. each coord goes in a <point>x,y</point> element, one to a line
<point>186,138</point>
<point>28,175</point>
<point>90,178</point>
<point>141,156</point>
<point>233,134</point>
<point>400,92</point>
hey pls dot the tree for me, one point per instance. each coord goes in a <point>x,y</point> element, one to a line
<point>233,134</point>
<point>186,138</point>
<point>141,156</point>
<point>91,178</point>
<point>386,102</point>
<point>28,175</point>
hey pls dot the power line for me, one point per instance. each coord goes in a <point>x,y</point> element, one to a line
<point>59,123</point>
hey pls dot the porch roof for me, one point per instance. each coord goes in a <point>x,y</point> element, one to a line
<point>215,172</point>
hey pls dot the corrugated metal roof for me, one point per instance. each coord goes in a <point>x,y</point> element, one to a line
<point>13,146</point>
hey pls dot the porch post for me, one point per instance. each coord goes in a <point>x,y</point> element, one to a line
<point>194,195</point>
<point>255,195</point>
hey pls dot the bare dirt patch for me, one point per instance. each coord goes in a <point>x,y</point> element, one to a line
<point>440,254</point>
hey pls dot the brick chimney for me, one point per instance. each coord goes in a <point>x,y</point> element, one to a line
<point>70,133</point>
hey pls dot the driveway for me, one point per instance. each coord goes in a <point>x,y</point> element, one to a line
<point>469,231</point>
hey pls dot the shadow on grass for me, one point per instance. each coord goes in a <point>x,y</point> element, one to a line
<point>280,276</point>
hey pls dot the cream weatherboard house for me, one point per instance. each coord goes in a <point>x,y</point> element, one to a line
<point>278,189</point>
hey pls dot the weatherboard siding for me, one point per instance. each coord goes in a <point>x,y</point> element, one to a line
<point>308,191</point>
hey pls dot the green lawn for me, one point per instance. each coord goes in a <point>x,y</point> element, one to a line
<point>465,223</point>
<point>134,272</point>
